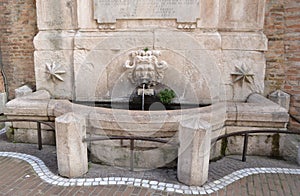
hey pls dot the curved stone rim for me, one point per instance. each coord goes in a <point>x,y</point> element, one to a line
<point>46,175</point>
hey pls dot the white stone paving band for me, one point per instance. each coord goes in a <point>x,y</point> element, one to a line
<point>2,131</point>
<point>45,174</point>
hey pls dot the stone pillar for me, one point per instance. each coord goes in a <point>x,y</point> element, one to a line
<point>71,151</point>
<point>194,151</point>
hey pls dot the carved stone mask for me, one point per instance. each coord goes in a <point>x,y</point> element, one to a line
<point>145,68</point>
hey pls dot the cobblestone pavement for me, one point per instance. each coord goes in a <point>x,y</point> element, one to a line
<point>18,178</point>
<point>22,174</point>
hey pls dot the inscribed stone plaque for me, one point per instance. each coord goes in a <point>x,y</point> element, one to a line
<point>107,11</point>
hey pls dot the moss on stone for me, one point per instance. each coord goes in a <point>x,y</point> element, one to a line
<point>224,146</point>
<point>275,145</point>
<point>10,134</point>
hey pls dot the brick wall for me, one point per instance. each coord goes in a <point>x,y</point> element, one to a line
<point>2,30</point>
<point>292,55</point>
<point>282,27</point>
<point>274,30</point>
<point>17,29</point>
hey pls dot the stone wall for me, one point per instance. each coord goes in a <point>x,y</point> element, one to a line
<point>206,62</point>
<point>17,29</point>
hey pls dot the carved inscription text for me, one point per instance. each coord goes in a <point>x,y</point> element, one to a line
<point>107,11</point>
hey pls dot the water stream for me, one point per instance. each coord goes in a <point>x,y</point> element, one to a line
<point>143,98</point>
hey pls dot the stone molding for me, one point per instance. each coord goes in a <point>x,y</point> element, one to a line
<point>267,113</point>
<point>212,14</point>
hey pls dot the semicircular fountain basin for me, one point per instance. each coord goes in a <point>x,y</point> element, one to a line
<point>161,124</point>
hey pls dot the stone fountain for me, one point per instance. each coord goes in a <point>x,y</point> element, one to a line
<point>210,52</point>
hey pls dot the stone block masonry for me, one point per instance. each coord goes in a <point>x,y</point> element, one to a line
<point>18,27</point>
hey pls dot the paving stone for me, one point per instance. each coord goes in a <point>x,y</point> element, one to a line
<point>213,185</point>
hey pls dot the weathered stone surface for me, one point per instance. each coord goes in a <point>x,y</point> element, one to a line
<point>22,91</point>
<point>209,12</point>
<point>102,67</point>
<point>242,15</point>
<point>240,89</point>
<point>88,41</point>
<point>281,98</point>
<point>145,156</point>
<point>257,112</point>
<point>209,40</point>
<point>31,125</point>
<point>59,107</point>
<point>54,40</point>
<point>38,95</point>
<point>264,144</point>
<point>259,99</point>
<point>290,147</point>
<point>26,107</point>
<point>298,155</point>
<point>144,33</point>
<point>62,14</point>
<point>244,41</point>
<point>71,150</point>
<point>194,151</point>
<point>97,57</point>
<point>108,11</point>
<point>182,41</point>
<point>85,15</point>
<point>3,101</point>
<point>264,107</point>
<point>64,60</point>
<point>41,118</point>
<point>30,136</point>
<point>215,149</point>
<point>263,116</point>
<point>146,24</point>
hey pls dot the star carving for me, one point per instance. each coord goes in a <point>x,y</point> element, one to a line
<point>244,74</point>
<point>54,72</point>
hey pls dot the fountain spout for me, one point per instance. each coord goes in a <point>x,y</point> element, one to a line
<point>143,97</point>
<point>145,90</point>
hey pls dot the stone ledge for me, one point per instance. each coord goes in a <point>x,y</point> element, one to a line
<point>258,112</point>
<point>54,40</point>
<point>244,41</point>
